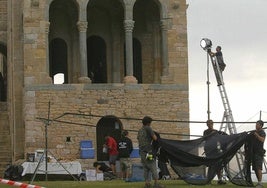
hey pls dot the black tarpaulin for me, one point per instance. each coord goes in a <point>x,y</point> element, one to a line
<point>198,161</point>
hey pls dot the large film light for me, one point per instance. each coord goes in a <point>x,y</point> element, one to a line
<point>205,43</point>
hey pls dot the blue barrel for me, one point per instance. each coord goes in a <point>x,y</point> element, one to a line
<point>86,144</point>
<point>87,150</point>
<point>87,153</point>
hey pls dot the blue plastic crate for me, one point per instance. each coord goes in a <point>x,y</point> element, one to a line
<point>86,144</point>
<point>87,153</point>
<point>135,153</point>
<point>137,173</point>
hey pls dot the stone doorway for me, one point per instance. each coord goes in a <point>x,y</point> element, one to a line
<point>107,125</point>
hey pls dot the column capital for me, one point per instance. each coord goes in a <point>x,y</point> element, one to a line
<point>164,25</point>
<point>129,3</point>
<point>82,26</point>
<point>128,25</point>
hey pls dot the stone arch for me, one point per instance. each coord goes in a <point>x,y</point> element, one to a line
<point>3,72</point>
<point>110,125</point>
<point>63,18</point>
<point>105,19</point>
<point>47,7</point>
<point>58,58</point>
<point>163,8</point>
<point>146,14</point>
<point>96,59</point>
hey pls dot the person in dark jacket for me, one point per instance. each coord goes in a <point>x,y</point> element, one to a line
<point>207,132</point>
<point>221,64</point>
<point>258,151</point>
<point>101,167</point>
<point>219,57</point>
<point>125,148</point>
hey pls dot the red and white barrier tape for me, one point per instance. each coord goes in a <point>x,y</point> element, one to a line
<point>18,184</point>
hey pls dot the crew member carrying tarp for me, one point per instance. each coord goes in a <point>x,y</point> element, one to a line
<point>187,159</point>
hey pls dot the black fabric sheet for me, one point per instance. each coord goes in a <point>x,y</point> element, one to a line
<point>198,161</point>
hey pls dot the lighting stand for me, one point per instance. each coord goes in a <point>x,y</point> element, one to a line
<point>206,44</point>
<point>208,86</point>
<point>44,156</point>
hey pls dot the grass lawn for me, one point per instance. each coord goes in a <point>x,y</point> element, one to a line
<point>119,184</point>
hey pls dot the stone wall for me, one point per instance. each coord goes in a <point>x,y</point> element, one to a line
<point>24,28</point>
<point>127,102</point>
<point>3,21</point>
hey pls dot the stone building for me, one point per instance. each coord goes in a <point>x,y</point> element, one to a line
<point>118,60</point>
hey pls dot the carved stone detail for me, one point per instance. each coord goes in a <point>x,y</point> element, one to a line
<point>164,25</point>
<point>82,26</point>
<point>128,25</point>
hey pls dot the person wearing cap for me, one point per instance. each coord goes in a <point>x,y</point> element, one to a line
<point>145,137</point>
<point>125,148</point>
<point>258,151</point>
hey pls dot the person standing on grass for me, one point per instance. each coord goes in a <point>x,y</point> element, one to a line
<point>112,149</point>
<point>258,151</point>
<point>145,137</point>
<point>125,147</point>
<point>208,131</point>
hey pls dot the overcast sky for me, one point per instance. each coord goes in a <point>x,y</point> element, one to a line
<point>240,28</point>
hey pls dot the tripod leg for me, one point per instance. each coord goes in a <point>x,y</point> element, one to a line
<point>37,167</point>
<point>64,167</point>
